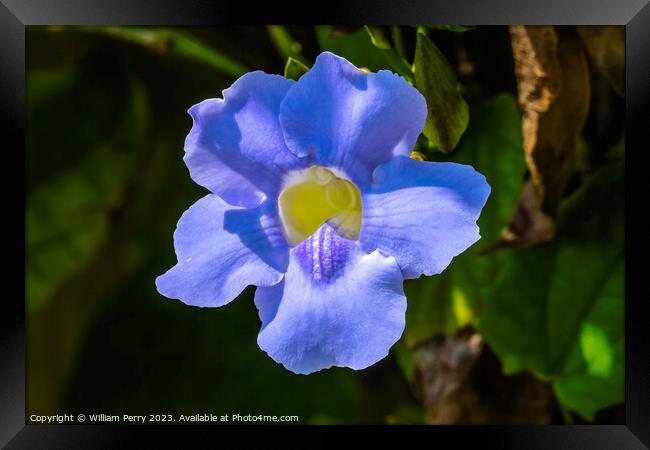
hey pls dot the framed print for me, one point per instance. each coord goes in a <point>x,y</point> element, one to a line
<point>397,215</point>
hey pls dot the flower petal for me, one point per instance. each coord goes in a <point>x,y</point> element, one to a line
<point>221,249</point>
<point>336,306</point>
<point>236,148</point>
<point>422,213</point>
<point>350,119</point>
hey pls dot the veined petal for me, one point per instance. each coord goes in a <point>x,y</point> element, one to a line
<point>221,249</point>
<point>350,119</point>
<point>422,213</point>
<point>236,148</point>
<point>336,306</point>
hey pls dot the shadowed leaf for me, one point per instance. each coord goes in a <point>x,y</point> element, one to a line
<point>448,113</point>
<point>557,309</point>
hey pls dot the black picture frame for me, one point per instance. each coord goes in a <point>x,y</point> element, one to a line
<point>634,14</point>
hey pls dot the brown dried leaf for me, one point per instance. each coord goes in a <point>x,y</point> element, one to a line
<point>462,382</point>
<point>554,94</point>
<point>443,365</point>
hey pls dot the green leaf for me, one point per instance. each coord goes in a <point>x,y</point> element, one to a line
<point>378,38</point>
<point>174,42</point>
<point>448,113</point>
<point>359,49</point>
<point>188,46</point>
<point>593,376</point>
<point>68,215</point>
<point>294,69</point>
<point>285,44</point>
<point>444,303</point>
<point>395,60</point>
<point>355,47</point>
<point>557,309</point>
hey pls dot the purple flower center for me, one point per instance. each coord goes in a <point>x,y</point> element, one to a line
<point>323,256</point>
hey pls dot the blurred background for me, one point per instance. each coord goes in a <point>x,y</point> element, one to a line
<point>525,327</point>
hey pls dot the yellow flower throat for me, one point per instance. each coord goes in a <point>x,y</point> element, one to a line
<point>314,196</point>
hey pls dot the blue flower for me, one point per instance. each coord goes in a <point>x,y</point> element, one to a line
<point>314,199</point>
